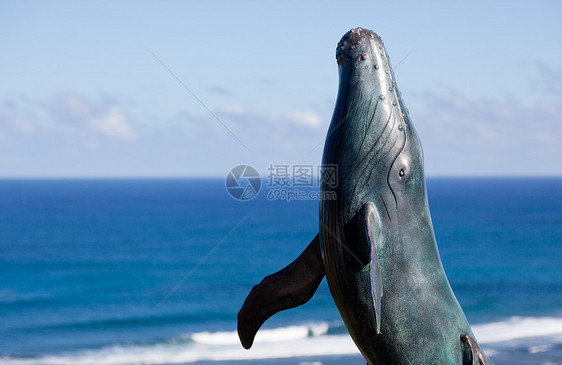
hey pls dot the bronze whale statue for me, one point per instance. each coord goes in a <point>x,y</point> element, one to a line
<point>376,243</point>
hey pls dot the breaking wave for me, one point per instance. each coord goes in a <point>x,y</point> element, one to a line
<point>316,339</point>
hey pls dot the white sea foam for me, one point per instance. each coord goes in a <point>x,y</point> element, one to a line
<point>516,328</point>
<point>540,348</point>
<point>285,342</point>
<point>293,341</point>
<point>188,353</point>
<point>282,334</point>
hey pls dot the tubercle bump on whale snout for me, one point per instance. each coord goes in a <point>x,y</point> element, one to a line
<point>352,39</point>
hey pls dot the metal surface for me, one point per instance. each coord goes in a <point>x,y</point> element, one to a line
<point>373,141</point>
<point>377,246</point>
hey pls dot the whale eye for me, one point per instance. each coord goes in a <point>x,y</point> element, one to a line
<point>401,173</point>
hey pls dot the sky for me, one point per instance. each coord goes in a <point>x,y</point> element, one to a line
<point>193,88</point>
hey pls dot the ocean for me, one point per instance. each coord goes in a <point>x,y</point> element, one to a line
<point>154,271</point>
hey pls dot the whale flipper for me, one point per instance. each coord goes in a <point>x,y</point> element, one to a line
<point>364,229</point>
<point>373,232</point>
<point>288,288</point>
<point>471,352</point>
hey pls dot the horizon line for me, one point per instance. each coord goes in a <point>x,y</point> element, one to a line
<point>213,177</point>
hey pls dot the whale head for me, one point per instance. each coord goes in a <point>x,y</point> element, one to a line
<point>371,137</point>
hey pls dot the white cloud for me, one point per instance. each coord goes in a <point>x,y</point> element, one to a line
<point>114,123</point>
<point>234,109</point>
<point>275,137</point>
<point>75,105</point>
<point>308,118</point>
<point>82,113</point>
<point>12,117</point>
<point>68,113</point>
<point>464,135</point>
<point>73,134</point>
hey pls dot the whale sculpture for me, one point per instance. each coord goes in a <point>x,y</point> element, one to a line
<point>376,244</point>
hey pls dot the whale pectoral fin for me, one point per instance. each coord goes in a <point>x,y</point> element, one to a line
<point>365,228</point>
<point>288,288</point>
<point>471,352</point>
<point>373,234</point>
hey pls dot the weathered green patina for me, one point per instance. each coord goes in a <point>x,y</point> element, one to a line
<point>376,244</point>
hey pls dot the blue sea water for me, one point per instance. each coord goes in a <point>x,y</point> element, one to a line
<point>154,271</point>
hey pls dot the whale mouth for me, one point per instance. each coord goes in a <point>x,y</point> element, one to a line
<point>356,45</point>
